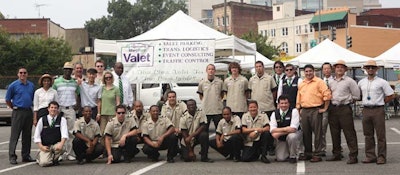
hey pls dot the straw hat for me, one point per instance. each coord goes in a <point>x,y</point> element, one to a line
<point>340,62</point>
<point>68,65</point>
<point>43,77</point>
<point>371,63</point>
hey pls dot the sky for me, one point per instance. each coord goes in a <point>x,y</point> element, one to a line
<point>74,13</point>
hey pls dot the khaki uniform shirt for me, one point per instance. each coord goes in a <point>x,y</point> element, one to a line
<point>261,91</point>
<point>89,130</point>
<point>115,129</point>
<point>236,96</point>
<point>192,123</point>
<point>155,129</point>
<point>211,91</point>
<point>139,120</point>
<point>260,121</point>
<point>227,127</point>
<point>174,113</point>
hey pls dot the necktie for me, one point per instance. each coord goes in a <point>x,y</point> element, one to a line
<point>283,115</point>
<point>278,78</point>
<point>121,90</point>
<point>289,81</point>
<point>53,121</point>
<point>327,82</point>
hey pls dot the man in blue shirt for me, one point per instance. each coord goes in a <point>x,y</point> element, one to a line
<point>19,97</point>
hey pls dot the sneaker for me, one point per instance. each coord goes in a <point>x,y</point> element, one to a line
<point>71,158</point>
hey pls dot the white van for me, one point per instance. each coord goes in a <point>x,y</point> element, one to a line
<point>151,93</point>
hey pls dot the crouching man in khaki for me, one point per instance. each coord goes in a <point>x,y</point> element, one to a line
<point>50,135</point>
<point>284,128</point>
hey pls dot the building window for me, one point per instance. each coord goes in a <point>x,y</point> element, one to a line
<point>285,47</point>
<point>311,28</point>
<point>284,31</point>
<point>217,22</point>
<point>278,8</point>
<point>227,21</point>
<point>298,30</point>
<point>305,28</point>
<point>389,25</point>
<point>298,47</point>
<point>273,32</point>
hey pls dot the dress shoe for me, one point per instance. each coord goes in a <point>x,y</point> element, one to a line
<point>170,160</point>
<point>380,160</point>
<point>271,152</point>
<point>292,160</point>
<point>13,161</point>
<point>352,160</point>
<point>334,158</point>
<point>230,157</point>
<point>369,160</point>
<point>304,157</point>
<point>315,159</point>
<point>207,160</point>
<point>265,159</point>
<point>28,159</point>
<point>322,154</point>
<point>80,162</point>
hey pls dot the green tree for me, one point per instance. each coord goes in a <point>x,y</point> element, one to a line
<point>264,46</point>
<point>1,16</point>
<point>126,20</point>
<point>36,54</point>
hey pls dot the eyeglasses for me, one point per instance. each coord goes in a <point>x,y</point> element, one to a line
<point>100,66</point>
<point>108,78</point>
<point>278,67</point>
<point>370,67</point>
<point>23,72</point>
<point>119,113</point>
<point>289,69</point>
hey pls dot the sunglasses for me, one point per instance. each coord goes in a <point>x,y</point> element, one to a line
<point>279,67</point>
<point>289,69</point>
<point>120,113</point>
<point>108,78</point>
<point>370,67</point>
<point>100,66</point>
<point>23,72</point>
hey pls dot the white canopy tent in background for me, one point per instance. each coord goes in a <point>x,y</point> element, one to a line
<point>179,27</point>
<point>246,62</point>
<point>390,57</point>
<point>328,51</point>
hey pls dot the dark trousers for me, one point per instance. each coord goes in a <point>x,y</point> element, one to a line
<point>341,117</point>
<point>216,118</point>
<point>79,146</point>
<point>21,122</point>
<point>170,143</point>
<point>231,147</point>
<point>128,151</point>
<point>374,120</point>
<point>270,139</point>
<point>201,139</point>
<point>252,153</point>
<point>311,122</point>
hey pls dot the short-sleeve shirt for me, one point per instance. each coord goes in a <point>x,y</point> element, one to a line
<point>211,91</point>
<point>108,100</point>
<point>89,130</point>
<point>115,129</point>
<point>42,98</point>
<point>261,91</point>
<point>20,94</point>
<point>260,121</point>
<point>140,120</point>
<point>236,96</point>
<point>192,123</point>
<point>90,94</point>
<point>154,130</point>
<point>66,91</point>
<point>174,113</point>
<point>376,90</point>
<point>227,127</point>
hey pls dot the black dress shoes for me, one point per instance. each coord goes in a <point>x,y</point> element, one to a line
<point>28,159</point>
<point>13,161</point>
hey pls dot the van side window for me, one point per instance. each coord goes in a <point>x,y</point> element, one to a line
<point>150,85</point>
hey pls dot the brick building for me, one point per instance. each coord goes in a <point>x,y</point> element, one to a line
<point>387,17</point>
<point>38,27</point>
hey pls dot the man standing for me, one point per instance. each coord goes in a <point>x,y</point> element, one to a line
<point>19,97</point>
<point>327,77</point>
<point>90,94</point>
<point>344,92</point>
<point>289,85</point>
<point>312,100</point>
<point>228,140</point>
<point>236,88</point>
<point>78,72</point>
<point>50,135</point>
<point>87,133</point>
<point>99,65</point>
<point>173,110</point>
<point>67,91</point>
<point>255,127</point>
<point>284,124</point>
<point>122,82</point>
<point>210,93</point>
<point>193,129</point>
<point>121,137</point>
<point>158,134</point>
<point>278,76</point>
<point>375,93</point>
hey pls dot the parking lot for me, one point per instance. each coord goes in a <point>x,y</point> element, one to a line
<point>141,165</point>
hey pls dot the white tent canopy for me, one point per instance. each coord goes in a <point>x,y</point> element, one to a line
<point>248,61</point>
<point>390,57</point>
<point>181,26</point>
<point>328,51</point>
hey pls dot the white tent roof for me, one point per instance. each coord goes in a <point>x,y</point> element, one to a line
<point>390,57</point>
<point>328,51</point>
<point>247,62</point>
<point>182,26</point>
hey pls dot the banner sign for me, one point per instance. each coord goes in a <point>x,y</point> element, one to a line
<point>166,61</point>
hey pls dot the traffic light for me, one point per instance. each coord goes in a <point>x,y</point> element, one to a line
<point>349,42</point>
<point>333,33</point>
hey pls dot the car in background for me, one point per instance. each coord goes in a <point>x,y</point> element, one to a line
<point>5,111</point>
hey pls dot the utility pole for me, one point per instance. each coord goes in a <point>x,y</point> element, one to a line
<point>224,19</point>
<point>319,21</point>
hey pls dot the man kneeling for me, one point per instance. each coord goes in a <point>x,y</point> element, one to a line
<point>284,128</point>
<point>158,134</point>
<point>50,135</point>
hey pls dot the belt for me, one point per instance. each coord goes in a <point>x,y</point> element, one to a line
<point>340,105</point>
<point>312,107</point>
<point>67,107</point>
<point>21,108</point>
<point>372,107</point>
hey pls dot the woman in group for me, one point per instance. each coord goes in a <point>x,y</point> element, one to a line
<point>109,100</point>
<point>42,97</point>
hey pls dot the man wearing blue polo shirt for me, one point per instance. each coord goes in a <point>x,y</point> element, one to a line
<point>19,97</point>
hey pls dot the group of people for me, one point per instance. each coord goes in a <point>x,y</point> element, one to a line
<point>267,114</point>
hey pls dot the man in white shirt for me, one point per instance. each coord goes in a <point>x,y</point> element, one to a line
<point>122,82</point>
